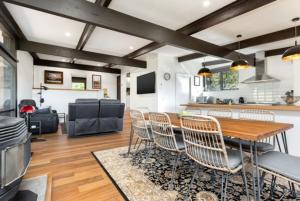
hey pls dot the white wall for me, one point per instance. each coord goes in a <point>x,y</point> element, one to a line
<point>24,75</point>
<point>58,96</point>
<point>164,98</point>
<point>260,92</point>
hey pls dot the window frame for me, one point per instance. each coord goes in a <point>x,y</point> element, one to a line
<point>221,72</point>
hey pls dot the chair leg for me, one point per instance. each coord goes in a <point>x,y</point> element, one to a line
<point>224,187</point>
<point>137,140</point>
<point>139,145</point>
<point>148,153</point>
<point>192,181</point>
<point>171,186</point>
<point>273,182</point>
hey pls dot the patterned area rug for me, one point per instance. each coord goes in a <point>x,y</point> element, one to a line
<point>150,182</point>
<point>33,189</point>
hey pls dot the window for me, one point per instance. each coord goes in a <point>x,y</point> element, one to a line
<point>7,88</point>
<point>79,83</point>
<point>222,80</point>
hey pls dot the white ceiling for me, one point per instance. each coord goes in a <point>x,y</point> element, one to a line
<point>53,58</point>
<point>169,51</point>
<point>41,27</point>
<point>172,14</point>
<point>113,43</point>
<point>270,18</point>
<point>45,28</point>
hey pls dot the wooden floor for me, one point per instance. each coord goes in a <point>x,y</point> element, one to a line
<point>73,171</point>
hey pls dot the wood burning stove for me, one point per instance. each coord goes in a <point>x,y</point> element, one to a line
<point>15,155</point>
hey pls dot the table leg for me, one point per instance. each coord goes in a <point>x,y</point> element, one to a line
<point>257,171</point>
<point>253,171</point>
<point>130,141</point>
<point>244,172</point>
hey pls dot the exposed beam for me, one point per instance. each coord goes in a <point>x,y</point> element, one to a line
<point>215,62</point>
<point>72,53</point>
<point>48,63</point>
<point>266,38</point>
<point>86,12</point>
<point>13,26</point>
<point>190,57</point>
<point>259,40</point>
<point>276,52</point>
<point>227,12</point>
<point>89,28</point>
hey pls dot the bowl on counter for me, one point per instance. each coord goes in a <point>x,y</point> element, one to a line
<point>290,100</point>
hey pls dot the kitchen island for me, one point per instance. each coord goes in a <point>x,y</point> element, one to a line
<point>283,113</point>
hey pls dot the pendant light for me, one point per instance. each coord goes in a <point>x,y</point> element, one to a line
<point>292,53</point>
<point>205,72</point>
<point>240,63</point>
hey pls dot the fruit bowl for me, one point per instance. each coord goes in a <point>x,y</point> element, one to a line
<point>290,100</point>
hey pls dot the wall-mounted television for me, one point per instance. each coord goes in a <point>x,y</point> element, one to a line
<point>146,83</point>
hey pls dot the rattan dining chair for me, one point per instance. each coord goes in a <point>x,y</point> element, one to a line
<point>281,165</point>
<point>220,112</point>
<point>165,138</point>
<point>205,145</point>
<point>142,130</point>
<point>264,145</point>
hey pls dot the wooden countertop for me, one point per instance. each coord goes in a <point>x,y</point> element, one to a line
<point>245,106</point>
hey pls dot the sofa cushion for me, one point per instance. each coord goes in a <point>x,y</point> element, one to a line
<point>87,100</point>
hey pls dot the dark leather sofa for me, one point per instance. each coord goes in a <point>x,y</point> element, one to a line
<point>48,118</point>
<point>93,116</point>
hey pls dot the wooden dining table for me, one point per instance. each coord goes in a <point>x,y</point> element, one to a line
<point>245,130</point>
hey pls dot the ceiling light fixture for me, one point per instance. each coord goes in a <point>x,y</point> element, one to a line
<point>240,63</point>
<point>68,34</point>
<point>205,72</point>
<point>206,3</point>
<point>293,53</point>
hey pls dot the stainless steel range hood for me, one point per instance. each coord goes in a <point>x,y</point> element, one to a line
<point>261,75</point>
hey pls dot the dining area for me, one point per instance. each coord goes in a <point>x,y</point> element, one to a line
<point>225,156</point>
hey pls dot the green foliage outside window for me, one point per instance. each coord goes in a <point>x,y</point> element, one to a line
<point>227,80</point>
<point>78,86</point>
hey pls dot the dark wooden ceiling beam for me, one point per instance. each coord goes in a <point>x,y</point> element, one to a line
<point>190,57</point>
<point>49,63</point>
<point>72,53</point>
<point>276,52</point>
<point>227,12</point>
<point>266,38</point>
<point>259,40</point>
<point>99,16</point>
<point>89,28</point>
<point>216,62</point>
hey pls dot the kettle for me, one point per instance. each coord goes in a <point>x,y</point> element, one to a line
<point>241,100</point>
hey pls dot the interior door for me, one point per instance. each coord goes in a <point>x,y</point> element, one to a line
<point>182,90</point>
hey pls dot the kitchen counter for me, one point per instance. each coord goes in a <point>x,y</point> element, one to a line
<point>245,106</point>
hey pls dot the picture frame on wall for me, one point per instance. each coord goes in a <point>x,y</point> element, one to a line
<point>53,77</point>
<point>96,82</point>
<point>197,81</point>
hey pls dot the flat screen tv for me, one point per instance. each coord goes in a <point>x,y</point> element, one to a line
<point>146,83</point>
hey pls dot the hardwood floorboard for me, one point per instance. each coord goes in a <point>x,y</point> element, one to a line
<point>73,172</point>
